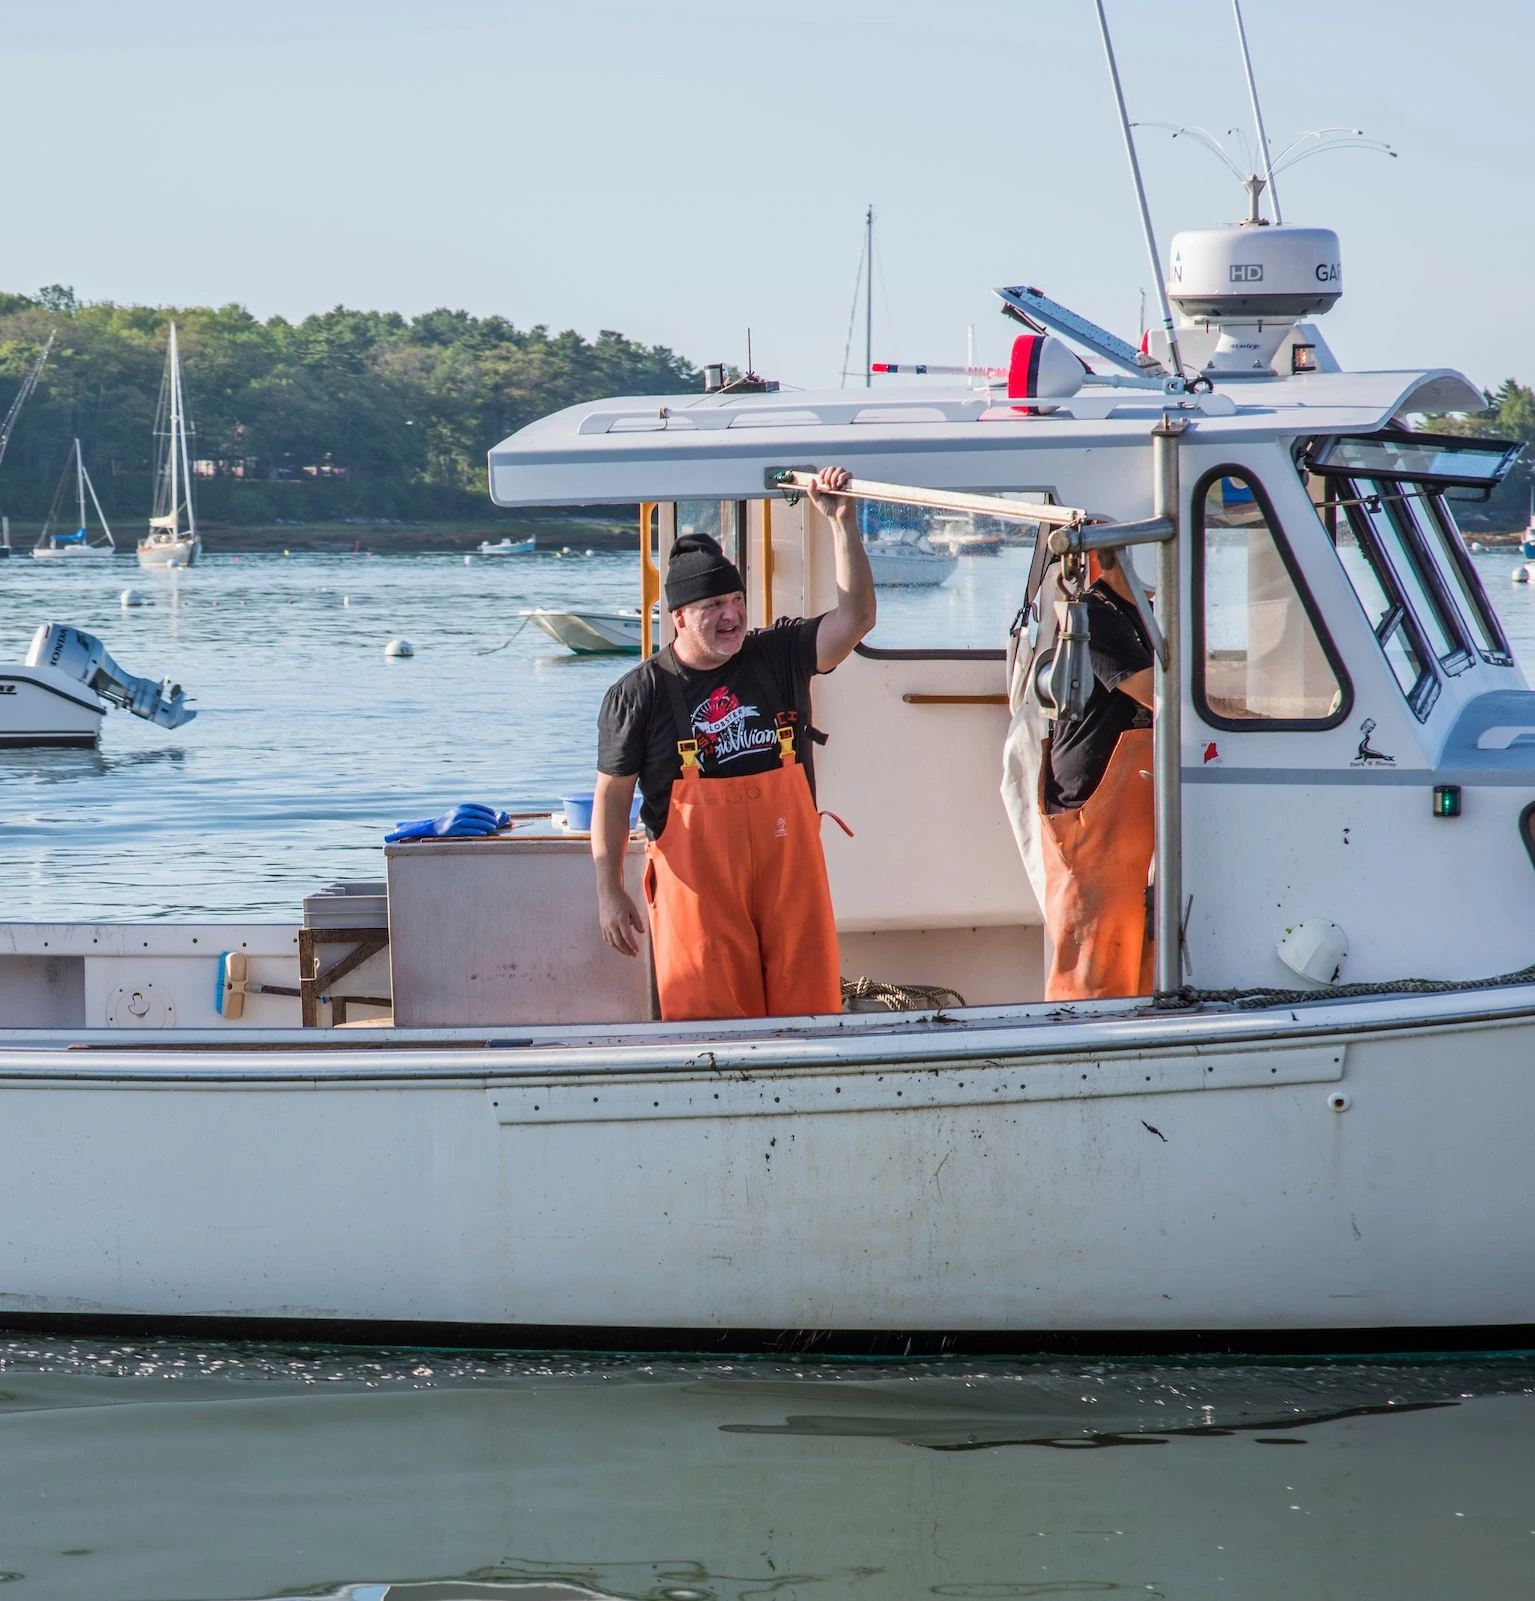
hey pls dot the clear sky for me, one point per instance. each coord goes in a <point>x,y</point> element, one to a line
<point>681,169</point>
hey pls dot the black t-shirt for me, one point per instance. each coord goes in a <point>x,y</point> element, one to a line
<point>637,732</point>
<point>1080,751</point>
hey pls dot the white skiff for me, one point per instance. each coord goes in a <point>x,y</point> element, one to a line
<point>590,633</point>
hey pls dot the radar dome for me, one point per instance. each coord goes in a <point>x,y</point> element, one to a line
<point>1251,283</point>
<point>1239,274</point>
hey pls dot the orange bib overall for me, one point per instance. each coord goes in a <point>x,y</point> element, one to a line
<point>740,909</point>
<point>1096,861</point>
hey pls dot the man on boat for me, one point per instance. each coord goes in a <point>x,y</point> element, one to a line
<point>715,728</point>
<point>1096,806</point>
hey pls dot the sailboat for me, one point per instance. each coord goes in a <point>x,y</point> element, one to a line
<point>172,540</point>
<point>54,544</point>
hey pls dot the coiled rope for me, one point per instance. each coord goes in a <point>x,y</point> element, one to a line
<point>900,997</point>
<point>1253,999</point>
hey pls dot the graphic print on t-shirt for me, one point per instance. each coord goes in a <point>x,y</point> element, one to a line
<point>726,729</point>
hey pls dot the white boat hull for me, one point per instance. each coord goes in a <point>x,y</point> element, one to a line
<point>73,553</point>
<point>170,553</point>
<point>591,633</point>
<point>1009,1177</point>
<point>40,706</point>
<point>910,569</point>
<point>509,547</point>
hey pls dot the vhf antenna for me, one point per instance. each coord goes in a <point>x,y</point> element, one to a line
<point>1140,195</point>
<point>1252,94</point>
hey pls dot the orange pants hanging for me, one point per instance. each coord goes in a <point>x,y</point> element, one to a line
<point>740,909</point>
<point>1096,862</point>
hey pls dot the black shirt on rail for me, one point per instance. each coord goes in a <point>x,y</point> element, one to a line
<point>1080,750</point>
<point>734,712</point>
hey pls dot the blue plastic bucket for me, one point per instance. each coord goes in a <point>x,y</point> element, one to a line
<point>578,810</point>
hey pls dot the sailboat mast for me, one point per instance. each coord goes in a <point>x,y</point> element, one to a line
<point>80,484</point>
<point>175,419</point>
<point>868,299</point>
<point>186,465</point>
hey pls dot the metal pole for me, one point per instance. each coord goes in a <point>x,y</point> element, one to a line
<point>868,300</point>
<point>175,374</point>
<point>1140,194</point>
<point>1252,94</point>
<point>1167,733</point>
<point>80,481</point>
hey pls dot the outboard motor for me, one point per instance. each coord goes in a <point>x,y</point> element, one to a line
<point>82,656</point>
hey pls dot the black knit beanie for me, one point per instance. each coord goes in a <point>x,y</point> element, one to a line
<point>697,569</point>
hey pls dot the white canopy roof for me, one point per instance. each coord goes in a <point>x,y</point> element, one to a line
<point>687,447</point>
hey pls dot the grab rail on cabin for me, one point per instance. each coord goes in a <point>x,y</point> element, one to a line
<point>795,481</point>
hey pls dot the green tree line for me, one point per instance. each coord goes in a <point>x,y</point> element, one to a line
<point>346,414</point>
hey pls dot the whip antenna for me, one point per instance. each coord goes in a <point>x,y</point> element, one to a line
<point>1140,194</point>
<point>1252,94</point>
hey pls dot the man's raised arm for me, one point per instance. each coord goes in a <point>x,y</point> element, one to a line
<point>854,614</point>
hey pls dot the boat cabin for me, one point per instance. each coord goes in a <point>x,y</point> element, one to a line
<point>1356,738</point>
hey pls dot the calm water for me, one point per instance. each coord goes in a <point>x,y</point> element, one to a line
<point>157,1473</point>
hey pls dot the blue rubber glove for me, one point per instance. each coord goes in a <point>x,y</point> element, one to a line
<point>470,820</point>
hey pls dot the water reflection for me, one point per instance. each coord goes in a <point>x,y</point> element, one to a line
<point>215,1472</point>
<point>67,766</point>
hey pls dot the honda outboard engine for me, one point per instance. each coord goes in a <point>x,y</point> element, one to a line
<point>82,656</point>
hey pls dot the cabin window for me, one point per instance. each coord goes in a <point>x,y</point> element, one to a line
<point>1438,524</point>
<point>724,520</point>
<point>1354,536</point>
<point>1261,658</point>
<point>1389,506</point>
<point>949,584</point>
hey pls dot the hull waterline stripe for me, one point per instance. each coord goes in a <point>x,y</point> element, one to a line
<point>1317,1344</point>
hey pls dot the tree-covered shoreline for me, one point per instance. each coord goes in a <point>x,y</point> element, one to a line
<point>362,417</point>
<point>343,416</point>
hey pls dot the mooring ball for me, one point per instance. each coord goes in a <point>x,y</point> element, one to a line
<point>131,597</point>
<point>399,647</point>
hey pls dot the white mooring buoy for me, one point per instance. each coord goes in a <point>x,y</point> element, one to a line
<point>399,647</point>
<point>131,597</point>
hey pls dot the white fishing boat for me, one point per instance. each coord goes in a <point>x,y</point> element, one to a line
<point>903,558</point>
<point>60,693</point>
<point>507,546</point>
<point>590,633</point>
<point>55,545</point>
<point>1314,1134</point>
<point>172,540</point>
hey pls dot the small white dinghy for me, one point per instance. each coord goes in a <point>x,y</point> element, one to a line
<point>60,693</point>
<point>509,547</point>
<point>590,633</point>
<point>55,545</point>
